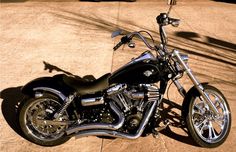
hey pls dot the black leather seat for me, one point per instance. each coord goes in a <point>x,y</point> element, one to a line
<point>84,86</point>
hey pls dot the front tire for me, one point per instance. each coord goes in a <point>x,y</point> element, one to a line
<point>41,108</point>
<point>207,129</point>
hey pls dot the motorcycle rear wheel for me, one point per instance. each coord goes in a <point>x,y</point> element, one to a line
<point>42,134</point>
<point>207,129</point>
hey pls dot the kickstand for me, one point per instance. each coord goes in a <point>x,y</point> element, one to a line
<point>163,125</point>
<point>155,133</point>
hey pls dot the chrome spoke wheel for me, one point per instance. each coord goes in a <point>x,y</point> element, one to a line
<point>43,109</point>
<point>209,127</point>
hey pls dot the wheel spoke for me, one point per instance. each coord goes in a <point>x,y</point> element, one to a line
<point>210,132</point>
<point>198,107</point>
<point>217,102</point>
<point>201,126</point>
<point>203,122</point>
<point>220,123</point>
<point>222,107</point>
<point>214,132</point>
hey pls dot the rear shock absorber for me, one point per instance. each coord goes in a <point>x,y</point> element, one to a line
<point>66,103</point>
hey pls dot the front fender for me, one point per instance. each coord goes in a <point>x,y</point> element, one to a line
<point>53,85</point>
<point>192,92</point>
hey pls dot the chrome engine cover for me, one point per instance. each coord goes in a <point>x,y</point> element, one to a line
<point>129,97</point>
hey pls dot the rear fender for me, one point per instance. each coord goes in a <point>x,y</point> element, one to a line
<point>51,90</point>
<point>54,85</point>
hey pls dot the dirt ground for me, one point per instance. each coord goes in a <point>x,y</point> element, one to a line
<point>44,38</point>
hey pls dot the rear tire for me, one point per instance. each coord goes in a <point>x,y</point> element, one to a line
<point>206,129</point>
<point>41,134</point>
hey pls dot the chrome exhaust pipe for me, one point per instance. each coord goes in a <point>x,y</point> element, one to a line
<point>118,112</point>
<point>112,133</point>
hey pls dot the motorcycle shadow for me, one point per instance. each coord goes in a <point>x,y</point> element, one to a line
<point>12,98</point>
<point>177,129</point>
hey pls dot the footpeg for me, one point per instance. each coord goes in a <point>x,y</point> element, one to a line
<point>163,125</point>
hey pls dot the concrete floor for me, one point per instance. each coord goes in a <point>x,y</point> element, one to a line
<point>74,37</point>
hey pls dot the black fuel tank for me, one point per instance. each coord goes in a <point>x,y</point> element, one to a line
<point>141,70</point>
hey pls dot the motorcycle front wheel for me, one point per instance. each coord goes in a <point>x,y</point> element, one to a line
<point>206,128</point>
<point>41,108</point>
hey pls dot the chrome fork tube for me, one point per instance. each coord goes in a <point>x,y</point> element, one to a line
<point>180,88</point>
<point>196,83</point>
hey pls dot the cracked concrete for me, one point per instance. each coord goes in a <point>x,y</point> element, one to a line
<point>75,37</point>
<point>164,143</point>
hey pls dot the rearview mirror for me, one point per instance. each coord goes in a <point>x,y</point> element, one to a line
<point>172,2</point>
<point>116,33</point>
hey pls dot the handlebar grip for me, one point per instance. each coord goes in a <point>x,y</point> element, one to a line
<point>125,39</point>
<point>174,22</point>
<point>117,45</point>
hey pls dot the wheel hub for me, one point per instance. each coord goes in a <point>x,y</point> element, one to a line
<point>209,115</point>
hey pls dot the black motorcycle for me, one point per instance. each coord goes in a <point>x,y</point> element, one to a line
<point>126,103</point>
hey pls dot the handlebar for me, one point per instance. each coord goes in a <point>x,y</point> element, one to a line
<point>163,19</point>
<point>117,46</point>
<point>127,38</point>
<point>174,22</point>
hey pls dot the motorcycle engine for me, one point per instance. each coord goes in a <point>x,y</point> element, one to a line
<point>133,100</point>
<point>99,113</point>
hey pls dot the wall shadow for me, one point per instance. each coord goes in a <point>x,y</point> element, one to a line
<point>12,97</point>
<point>199,48</point>
<point>107,0</point>
<point>227,47</point>
<point>226,1</point>
<point>74,19</point>
<point>21,1</point>
<point>210,41</point>
<point>13,1</point>
<point>50,68</point>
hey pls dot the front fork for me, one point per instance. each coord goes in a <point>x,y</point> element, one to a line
<point>196,83</point>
